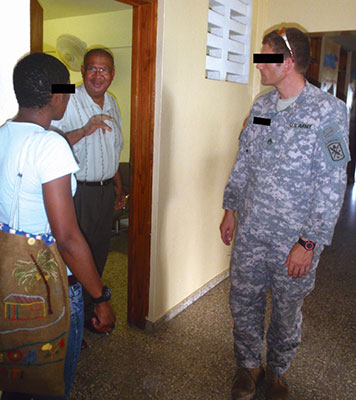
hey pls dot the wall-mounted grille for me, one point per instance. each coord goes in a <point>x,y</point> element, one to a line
<point>228,43</point>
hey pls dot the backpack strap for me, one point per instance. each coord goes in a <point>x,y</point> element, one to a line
<point>14,213</point>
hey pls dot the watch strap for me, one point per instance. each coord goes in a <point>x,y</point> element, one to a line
<point>307,244</point>
<point>105,296</point>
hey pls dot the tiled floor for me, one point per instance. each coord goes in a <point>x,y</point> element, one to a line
<point>191,357</point>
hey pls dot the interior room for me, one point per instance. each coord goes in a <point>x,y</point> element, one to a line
<point>67,34</point>
<point>185,350</point>
<point>333,63</point>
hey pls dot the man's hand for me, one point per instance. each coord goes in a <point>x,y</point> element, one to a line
<point>94,123</point>
<point>120,198</point>
<point>299,261</point>
<point>227,227</point>
<point>120,202</point>
<point>97,122</point>
<point>104,321</point>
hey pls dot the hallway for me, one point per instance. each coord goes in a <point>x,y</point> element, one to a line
<point>191,357</point>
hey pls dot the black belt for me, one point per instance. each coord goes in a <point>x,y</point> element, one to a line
<point>100,183</point>
<point>72,280</point>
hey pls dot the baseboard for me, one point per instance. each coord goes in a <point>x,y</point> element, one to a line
<point>173,312</point>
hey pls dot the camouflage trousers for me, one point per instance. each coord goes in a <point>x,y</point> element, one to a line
<point>257,265</point>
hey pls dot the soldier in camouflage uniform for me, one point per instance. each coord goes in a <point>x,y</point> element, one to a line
<point>287,185</point>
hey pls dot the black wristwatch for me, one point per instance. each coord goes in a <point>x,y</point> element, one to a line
<point>105,296</point>
<point>307,244</point>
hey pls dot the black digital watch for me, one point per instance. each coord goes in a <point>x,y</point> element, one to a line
<point>105,296</point>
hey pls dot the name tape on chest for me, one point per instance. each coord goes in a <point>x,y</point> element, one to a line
<point>300,125</point>
<point>267,122</point>
<point>261,121</point>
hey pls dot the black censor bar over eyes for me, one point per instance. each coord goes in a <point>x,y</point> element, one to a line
<point>63,88</point>
<point>261,121</point>
<point>262,58</point>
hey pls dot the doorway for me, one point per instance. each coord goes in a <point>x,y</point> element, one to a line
<point>141,151</point>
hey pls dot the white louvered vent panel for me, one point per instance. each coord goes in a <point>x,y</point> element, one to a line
<point>228,40</point>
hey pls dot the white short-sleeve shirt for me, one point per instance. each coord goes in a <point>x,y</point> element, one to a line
<point>98,154</point>
<point>49,157</point>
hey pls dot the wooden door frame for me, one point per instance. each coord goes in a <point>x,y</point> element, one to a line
<point>36,27</point>
<point>141,157</point>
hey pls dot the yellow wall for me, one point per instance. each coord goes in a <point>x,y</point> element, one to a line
<point>196,142</point>
<point>313,15</point>
<point>197,125</point>
<point>113,30</point>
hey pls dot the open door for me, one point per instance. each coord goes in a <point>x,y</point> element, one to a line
<point>141,147</point>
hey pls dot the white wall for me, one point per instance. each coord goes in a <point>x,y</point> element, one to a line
<point>14,43</point>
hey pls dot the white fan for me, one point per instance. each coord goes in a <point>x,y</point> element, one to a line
<point>71,51</point>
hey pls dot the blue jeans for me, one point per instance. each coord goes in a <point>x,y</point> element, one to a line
<point>74,343</point>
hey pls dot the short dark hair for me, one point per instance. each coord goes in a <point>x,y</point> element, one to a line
<point>34,76</point>
<point>98,52</point>
<point>299,43</point>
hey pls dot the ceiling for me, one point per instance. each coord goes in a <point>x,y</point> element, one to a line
<point>72,8</point>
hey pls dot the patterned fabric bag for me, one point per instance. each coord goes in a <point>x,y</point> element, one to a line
<point>34,309</point>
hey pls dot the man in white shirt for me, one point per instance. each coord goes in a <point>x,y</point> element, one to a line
<point>92,125</point>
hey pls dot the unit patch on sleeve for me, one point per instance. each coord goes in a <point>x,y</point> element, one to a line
<point>334,146</point>
<point>336,152</point>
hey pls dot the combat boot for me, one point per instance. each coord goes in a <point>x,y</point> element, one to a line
<point>245,383</point>
<point>277,387</point>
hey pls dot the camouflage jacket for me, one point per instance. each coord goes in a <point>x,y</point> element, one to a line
<point>289,177</point>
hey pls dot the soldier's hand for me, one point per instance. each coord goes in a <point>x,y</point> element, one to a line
<point>97,122</point>
<point>299,261</point>
<point>227,227</point>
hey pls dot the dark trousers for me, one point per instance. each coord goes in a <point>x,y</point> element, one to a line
<point>94,206</point>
